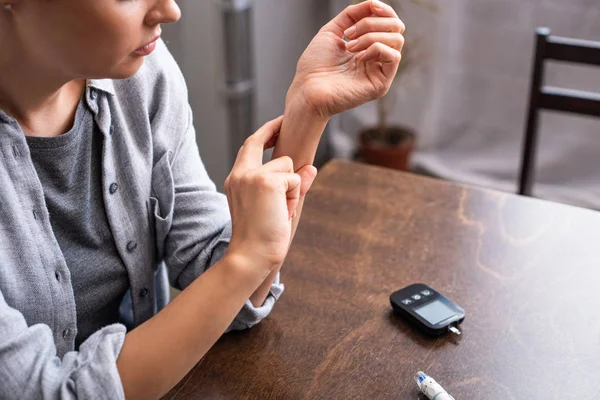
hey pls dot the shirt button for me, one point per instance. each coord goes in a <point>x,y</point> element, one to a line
<point>113,188</point>
<point>66,333</point>
<point>112,129</point>
<point>93,94</point>
<point>131,246</point>
<point>57,276</point>
<point>144,292</point>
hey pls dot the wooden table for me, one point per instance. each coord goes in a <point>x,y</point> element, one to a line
<point>526,271</point>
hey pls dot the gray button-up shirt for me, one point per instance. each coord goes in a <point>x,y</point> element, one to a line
<point>162,208</point>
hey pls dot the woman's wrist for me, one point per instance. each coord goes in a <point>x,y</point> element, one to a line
<point>299,102</point>
<point>303,126</point>
<point>245,266</point>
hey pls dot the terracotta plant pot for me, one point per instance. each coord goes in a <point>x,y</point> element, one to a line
<point>392,150</point>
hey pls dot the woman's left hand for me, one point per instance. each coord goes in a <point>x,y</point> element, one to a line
<point>334,75</point>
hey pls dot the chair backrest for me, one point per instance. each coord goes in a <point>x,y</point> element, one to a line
<point>552,98</point>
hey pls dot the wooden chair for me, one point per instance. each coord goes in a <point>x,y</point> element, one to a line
<point>552,98</point>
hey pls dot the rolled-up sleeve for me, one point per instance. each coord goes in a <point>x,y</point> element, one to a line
<point>30,369</point>
<point>200,228</point>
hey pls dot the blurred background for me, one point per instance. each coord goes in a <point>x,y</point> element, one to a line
<point>458,107</point>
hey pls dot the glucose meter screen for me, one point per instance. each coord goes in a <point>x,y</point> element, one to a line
<point>435,312</point>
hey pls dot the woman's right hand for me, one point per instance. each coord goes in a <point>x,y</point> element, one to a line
<point>263,200</point>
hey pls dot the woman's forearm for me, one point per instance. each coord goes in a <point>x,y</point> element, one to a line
<point>300,136</point>
<point>157,354</point>
<point>299,139</point>
<point>301,130</point>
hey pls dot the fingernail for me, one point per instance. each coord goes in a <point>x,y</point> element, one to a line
<point>350,31</point>
<point>377,4</point>
<point>352,44</point>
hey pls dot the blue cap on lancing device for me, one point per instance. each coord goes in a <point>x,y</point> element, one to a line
<point>430,388</point>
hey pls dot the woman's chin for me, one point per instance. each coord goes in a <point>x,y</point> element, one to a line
<point>127,70</point>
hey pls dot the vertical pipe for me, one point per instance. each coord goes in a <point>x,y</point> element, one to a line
<point>239,72</point>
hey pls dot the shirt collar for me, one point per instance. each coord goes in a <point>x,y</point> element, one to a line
<point>105,85</point>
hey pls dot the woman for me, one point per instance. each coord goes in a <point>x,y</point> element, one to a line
<point>101,185</point>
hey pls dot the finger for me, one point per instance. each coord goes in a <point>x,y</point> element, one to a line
<point>352,14</point>
<point>272,142</point>
<point>292,183</point>
<point>280,164</point>
<point>308,173</point>
<point>388,57</point>
<point>382,53</point>
<point>251,153</point>
<point>375,24</point>
<point>393,40</point>
<point>382,9</point>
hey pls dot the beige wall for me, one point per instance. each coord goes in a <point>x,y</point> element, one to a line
<point>194,41</point>
<point>283,28</point>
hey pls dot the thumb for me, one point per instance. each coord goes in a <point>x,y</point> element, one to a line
<point>308,173</point>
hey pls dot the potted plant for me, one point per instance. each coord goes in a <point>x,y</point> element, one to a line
<point>392,145</point>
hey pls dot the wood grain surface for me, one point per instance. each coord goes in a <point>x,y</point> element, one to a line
<point>526,272</point>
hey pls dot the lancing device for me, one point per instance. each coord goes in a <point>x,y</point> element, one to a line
<point>430,388</point>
